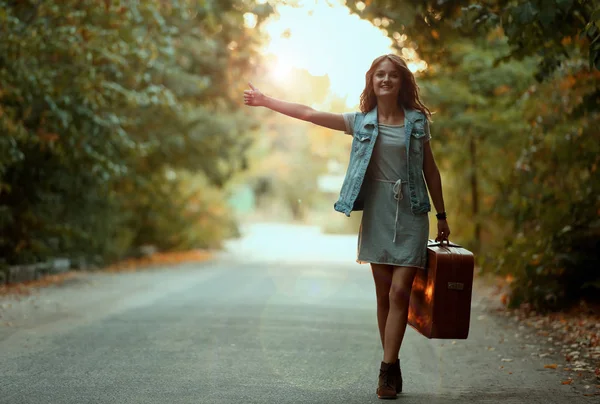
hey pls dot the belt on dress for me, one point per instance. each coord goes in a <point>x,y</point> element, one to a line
<point>398,196</point>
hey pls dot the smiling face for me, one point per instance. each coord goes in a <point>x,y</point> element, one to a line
<point>386,80</point>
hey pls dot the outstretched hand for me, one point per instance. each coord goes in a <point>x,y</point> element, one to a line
<point>253,97</point>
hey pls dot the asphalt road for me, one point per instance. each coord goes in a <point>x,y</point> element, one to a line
<point>285,316</point>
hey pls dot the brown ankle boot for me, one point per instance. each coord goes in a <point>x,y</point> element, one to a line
<point>386,388</point>
<point>398,376</point>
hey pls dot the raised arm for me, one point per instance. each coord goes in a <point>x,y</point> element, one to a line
<point>255,98</point>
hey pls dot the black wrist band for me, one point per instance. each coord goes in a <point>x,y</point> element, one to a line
<point>441,216</point>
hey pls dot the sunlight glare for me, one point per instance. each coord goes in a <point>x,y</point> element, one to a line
<point>417,66</point>
<point>343,48</point>
<point>408,53</point>
<point>282,70</point>
<point>250,20</point>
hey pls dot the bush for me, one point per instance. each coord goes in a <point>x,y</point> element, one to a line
<point>180,211</point>
<point>97,103</point>
<point>554,197</point>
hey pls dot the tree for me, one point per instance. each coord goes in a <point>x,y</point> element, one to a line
<point>536,145</point>
<point>554,30</point>
<point>98,103</point>
<point>551,197</point>
<point>478,117</point>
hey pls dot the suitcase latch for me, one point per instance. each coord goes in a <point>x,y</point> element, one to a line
<point>456,285</point>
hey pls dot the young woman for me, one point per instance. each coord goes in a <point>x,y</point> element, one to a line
<point>390,161</point>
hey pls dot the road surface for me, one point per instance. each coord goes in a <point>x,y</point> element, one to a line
<point>285,315</point>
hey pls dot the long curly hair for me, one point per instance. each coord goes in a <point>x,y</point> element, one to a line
<point>408,97</point>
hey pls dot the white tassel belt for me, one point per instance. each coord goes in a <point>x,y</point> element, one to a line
<point>398,196</point>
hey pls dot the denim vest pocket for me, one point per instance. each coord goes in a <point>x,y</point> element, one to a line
<point>361,142</point>
<point>418,133</point>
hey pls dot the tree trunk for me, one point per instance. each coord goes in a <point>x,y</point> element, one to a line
<point>474,193</point>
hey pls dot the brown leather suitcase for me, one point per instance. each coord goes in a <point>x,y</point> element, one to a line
<point>440,301</point>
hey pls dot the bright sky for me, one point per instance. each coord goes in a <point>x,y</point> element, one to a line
<point>323,37</point>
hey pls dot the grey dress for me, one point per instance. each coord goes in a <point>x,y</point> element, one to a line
<point>389,232</point>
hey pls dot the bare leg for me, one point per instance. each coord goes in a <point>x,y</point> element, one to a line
<point>399,297</point>
<point>382,275</point>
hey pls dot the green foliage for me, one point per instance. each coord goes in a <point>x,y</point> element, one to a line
<point>554,30</point>
<point>554,199</point>
<point>197,218</point>
<point>535,161</point>
<point>477,111</point>
<point>531,150</point>
<point>97,102</point>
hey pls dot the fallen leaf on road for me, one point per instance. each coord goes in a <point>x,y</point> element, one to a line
<point>572,335</point>
<point>553,366</point>
<point>27,288</point>
<point>506,360</point>
<point>135,264</point>
<point>567,381</point>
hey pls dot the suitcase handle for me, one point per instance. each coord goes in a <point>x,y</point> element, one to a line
<point>433,243</point>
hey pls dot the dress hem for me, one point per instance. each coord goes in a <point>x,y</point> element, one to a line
<point>389,263</point>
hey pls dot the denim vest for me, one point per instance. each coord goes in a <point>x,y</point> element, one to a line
<point>364,136</point>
